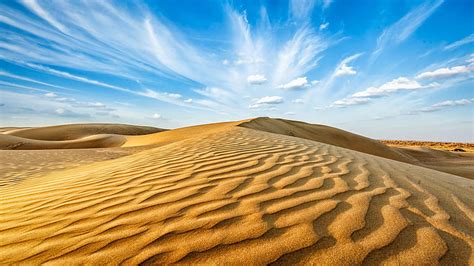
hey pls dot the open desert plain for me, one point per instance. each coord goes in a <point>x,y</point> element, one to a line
<point>264,191</point>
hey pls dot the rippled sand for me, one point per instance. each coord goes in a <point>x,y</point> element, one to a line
<point>234,195</point>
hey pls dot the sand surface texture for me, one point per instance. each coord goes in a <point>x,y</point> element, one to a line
<point>74,136</point>
<point>225,194</point>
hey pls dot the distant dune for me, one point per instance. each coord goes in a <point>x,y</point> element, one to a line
<point>74,136</point>
<point>258,191</point>
<point>444,146</point>
<point>77,131</point>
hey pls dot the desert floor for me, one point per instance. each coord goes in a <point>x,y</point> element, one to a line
<point>257,191</point>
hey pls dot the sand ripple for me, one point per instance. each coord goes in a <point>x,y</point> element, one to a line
<point>240,196</point>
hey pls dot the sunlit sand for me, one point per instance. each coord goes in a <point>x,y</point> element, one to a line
<point>257,191</point>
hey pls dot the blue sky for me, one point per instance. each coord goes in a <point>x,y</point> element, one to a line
<point>384,69</point>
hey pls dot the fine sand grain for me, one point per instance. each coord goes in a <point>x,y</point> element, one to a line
<point>224,194</point>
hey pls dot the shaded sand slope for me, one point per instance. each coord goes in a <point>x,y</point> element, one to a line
<point>449,162</point>
<point>325,134</point>
<point>457,163</point>
<point>75,136</point>
<point>77,131</point>
<point>241,196</point>
<point>8,142</point>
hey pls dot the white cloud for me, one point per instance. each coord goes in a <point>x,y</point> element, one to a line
<point>6,74</point>
<point>454,103</point>
<point>265,101</point>
<point>38,10</point>
<point>301,9</point>
<point>75,77</point>
<point>466,40</point>
<point>442,105</point>
<point>299,83</point>
<point>318,108</point>
<point>403,28</point>
<point>470,59</point>
<point>188,100</point>
<point>51,95</point>
<point>138,45</point>
<point>172,98</point>
<point>256,79</point>
<point>446,72</point>
<point>396,85</point>
<point>298,101</point>
<point>270,100</point>
<point>21,86</point>
<point>156,116</point>
<point>299,55</point>
<point>327,3</point>
<point>324,26</point>
<point>59,111</point>
<point>344,70</point>
<point>173,95</point>
<point>350,101</point>
<point>216,93</point>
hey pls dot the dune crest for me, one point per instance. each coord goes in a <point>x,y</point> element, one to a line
<point>234,195</point>
<point>77,131</point>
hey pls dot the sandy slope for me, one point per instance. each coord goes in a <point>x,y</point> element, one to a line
<point>443,146</point>
<point>74,136</point>
<point>461,164</point>
<point>77,131</point>
<point>18,165</point>
<point>325,134</point>
<point>236,195</point>
<point>457,163</point>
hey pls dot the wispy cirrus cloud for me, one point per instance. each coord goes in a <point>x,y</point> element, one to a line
<point>403,28</point>
<point>443,105</point>
<point>141,46</point>
<point>9,75</point>
<point>467,40</point>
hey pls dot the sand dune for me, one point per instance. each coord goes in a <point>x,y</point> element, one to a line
<point>167,137</point>
<point>223,194</point>
<point>457,163</point>
<point>325,134</point>
<point>18,165</point>
<point>8,142</point>
<point>449,162</point>
<point>77,131</point>
<point>74,136</point>
<point>443,146</point>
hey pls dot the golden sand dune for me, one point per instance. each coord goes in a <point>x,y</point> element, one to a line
<point>163,138</point>
<point>444,146</point>
<point>8,142</point>
<point>234,195</point>
<point>77,131</point>
<point>325,134</point>
<point>74,136</point>
<point>18,165</point>
<point>457,163</point>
